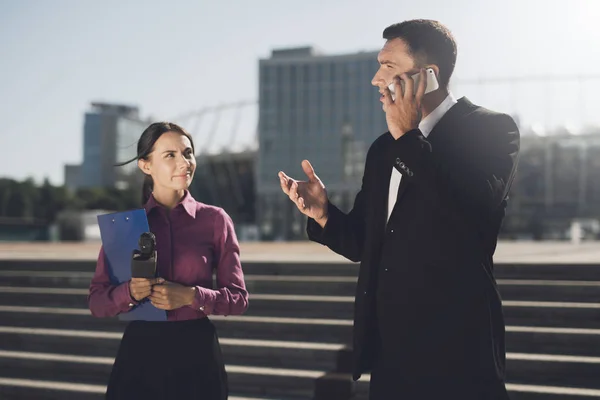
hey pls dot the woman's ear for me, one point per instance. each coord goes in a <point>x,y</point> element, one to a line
<point>144,166</point>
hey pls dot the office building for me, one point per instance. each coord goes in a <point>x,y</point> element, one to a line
<point>317,107</point>
<point>110,136</point>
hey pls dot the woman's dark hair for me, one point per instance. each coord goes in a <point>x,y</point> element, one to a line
<point>145,146</point>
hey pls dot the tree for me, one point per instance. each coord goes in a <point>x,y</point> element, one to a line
<point>18,204</point>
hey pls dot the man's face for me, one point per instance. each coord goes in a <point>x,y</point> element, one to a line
<point>394,60</point>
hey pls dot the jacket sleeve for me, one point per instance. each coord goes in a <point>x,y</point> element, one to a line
<point>345,233</point>
<point>477,181</point>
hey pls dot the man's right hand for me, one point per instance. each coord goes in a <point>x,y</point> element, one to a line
<point>140,288</point>
<point>309,196</point>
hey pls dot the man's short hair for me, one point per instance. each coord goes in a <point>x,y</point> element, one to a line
<point>429,42</point>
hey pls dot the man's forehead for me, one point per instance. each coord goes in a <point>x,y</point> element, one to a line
<point>394,49</point>
<point>395,45</point>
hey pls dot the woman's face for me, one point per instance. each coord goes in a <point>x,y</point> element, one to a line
<point>172,162</point>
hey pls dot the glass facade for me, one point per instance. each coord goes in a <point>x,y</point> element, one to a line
<point>91,174</point>
<point>127,134</point>
<point>110,136</point>
<point>320,108</point>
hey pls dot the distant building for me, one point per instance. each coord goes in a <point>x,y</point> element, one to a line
<point>317,107</point>
<point>557,181</point>
<point>72,177</point>
<point>226,180</point>
<point>110,136</point>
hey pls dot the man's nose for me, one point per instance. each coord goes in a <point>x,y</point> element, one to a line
<point>377,80</point>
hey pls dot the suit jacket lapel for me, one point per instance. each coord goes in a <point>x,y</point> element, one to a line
<point>404,184</point>
<point>381,188</point>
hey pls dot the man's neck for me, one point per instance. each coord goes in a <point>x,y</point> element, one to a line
<point>432,100</point>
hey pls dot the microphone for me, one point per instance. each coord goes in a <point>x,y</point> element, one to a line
<point>143,261</point>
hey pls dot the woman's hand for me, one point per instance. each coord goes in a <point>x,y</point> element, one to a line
<point>171,295</point>
<point>140,288</point>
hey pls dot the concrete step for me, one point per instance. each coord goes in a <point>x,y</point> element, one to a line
<point>552,340</point>
<point>533,368</point>
<point>519,339</point>
<point>49,265</point>
<point>244,327</point>
<point>276,284</point>
<point>578,272</point>
<point>26,388</point>
<point>57,279</point>
<point>571,272</point>
<point>552,314</point>
<point>19,389</point>
<point>537,392</point>
<point>548,369</point>
<point>298,306</point>
<point>57,317</point>
<point>517,391</point>
<point>250,268</point>
<point>510,289</point>
<point>286,354</point>
<point>551,369</point>
<point>536,313</point>
<point>252,381</point>
<point>261,353</point>
<point>549,290</point>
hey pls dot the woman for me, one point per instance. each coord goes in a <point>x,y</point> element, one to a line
<point>180,358</point>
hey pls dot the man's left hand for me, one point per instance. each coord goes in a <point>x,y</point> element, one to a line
<point>404,113</point>
<point>171,295</point>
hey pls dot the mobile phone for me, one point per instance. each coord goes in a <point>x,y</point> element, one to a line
<point>432,83</point>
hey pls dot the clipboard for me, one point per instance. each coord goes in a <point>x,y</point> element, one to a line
<point>120,233</point>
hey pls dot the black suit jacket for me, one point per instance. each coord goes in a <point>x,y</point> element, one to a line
<point>426,291</point>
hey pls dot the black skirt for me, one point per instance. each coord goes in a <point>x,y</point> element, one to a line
<point>169,360</point>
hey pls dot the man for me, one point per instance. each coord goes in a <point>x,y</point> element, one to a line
<point>428,320</point>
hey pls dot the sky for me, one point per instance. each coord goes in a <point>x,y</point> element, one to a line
<point>56,57</point>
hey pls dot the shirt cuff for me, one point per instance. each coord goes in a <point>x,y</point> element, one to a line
<point>203,300</point>
<point>325,234</point>
<point>123,297</point>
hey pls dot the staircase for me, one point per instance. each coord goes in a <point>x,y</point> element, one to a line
<point>292,342</point>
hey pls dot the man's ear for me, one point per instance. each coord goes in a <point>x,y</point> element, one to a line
<point>435,69</point>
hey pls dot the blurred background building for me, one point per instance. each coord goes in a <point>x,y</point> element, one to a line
<point>316,107</point>
<point>323,108</point>
<point>110,135</point>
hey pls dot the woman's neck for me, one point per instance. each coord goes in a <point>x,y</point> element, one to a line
<point>168,198</point>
